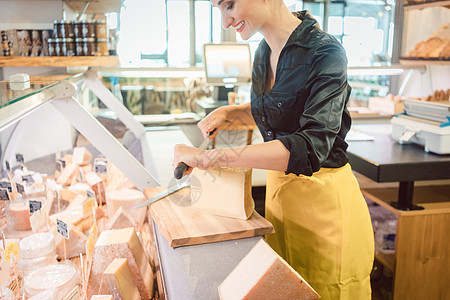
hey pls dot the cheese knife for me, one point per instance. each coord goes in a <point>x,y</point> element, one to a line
<point>176,187</point>
<point>182,168</point>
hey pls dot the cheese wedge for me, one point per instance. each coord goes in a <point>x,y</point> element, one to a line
<point>223,191</point>
<point>263,274</point>
<point>96,184</point>
<point>121,219</point>
<point>68,174</point>
<point>75,245</point>
<point>118,281</point>
<point>81,156</point>
<point>121,243</point>
<point>127,199</point>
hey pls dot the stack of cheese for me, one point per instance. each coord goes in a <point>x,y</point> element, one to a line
<point>37,250</point>
<point>120,266</point>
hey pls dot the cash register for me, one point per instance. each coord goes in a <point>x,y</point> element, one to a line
<point>227,65</point>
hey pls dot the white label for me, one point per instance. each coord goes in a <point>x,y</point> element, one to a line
<point>4,195</point>
<point>62,228</point>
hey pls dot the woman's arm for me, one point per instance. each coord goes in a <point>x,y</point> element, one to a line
<point>271,155</point>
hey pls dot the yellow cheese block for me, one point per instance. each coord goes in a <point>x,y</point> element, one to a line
<point>118,281</point>
<point>223,191</point>
<point>121,243</point>
<point>263,274</point>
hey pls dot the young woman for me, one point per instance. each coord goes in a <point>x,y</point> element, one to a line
<point>298,100</point>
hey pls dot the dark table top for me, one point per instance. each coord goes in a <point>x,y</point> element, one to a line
<point>385,160</point>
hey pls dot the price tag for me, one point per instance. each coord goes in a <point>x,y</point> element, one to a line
<point>19,158</point>
<point>90,194</point>
<point>12,248</point>
<point>28,179</point>
<point>8,166</point>
<point>35,205</point>
<point>4,195</point>
<point>62,228</point>
<point>60,164</point>
<point>73,294</point>
<point>6,185</point>
<point>101,166</point>
<point>20,188</point>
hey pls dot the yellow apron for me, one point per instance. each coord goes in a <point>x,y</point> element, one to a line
<point>323,230</point>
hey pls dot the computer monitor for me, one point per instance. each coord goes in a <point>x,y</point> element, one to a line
<point>226,66</point>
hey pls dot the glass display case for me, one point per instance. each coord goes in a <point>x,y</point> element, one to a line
<point>43,120</point>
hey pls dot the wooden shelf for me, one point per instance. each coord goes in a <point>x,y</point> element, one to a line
<point>59,61</point>
<point>422,4</point>
<point>424,61</point>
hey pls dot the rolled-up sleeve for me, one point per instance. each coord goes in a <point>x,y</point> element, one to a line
<point>320,122</point>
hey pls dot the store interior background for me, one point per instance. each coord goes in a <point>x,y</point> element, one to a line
<point>160,46</point>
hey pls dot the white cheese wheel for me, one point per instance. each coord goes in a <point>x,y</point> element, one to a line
<point>24,266</point>
<point>61,277</point>
<point>37,245</point>
<point>223,191</point>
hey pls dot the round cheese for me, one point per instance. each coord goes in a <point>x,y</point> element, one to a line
<point>37,245</point>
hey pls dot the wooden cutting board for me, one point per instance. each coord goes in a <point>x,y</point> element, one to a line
<point>183,226</point>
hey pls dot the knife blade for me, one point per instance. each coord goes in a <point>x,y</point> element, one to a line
<point>176,187</point>
<point>182,168</point>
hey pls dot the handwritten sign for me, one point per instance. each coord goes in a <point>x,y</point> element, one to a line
<point>62,228</point>
<point>6,185</point>
<point>28,179</point>
<point>19,158</point>
<point>35,205</point>
<point>4,194</point>
<point>20,188</point>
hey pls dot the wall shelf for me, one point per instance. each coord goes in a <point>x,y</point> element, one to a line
<point>424,61</point>
<point>422,4</point>
<point>58,61</point>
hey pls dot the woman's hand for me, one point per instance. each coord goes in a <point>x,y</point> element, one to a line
<point>213,121</point>
<point>193,157</point>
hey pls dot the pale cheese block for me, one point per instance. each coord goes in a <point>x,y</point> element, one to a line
<point>102,297</point>
<point>263,274</point>
<point>118,281</point>
<point>81,156</point>
<point>121,243</point>
<point>75,244</point>
<point>116,180</point>
<point>121,219</point>
<point>127,199</point>
<point>70,172</point>
<point>223,191</point>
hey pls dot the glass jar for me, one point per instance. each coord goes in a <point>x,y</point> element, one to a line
<point>68,47</point>
<point>100,29</point>
<point>52,47</point>
<point>87,29</point>
<point>102,47</point>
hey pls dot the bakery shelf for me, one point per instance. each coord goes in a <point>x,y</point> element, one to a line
<point>423,61</point>
<point>425,4</point>
<point>58,61</point>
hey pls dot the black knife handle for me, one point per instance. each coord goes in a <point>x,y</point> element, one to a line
<point>180,170</point>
